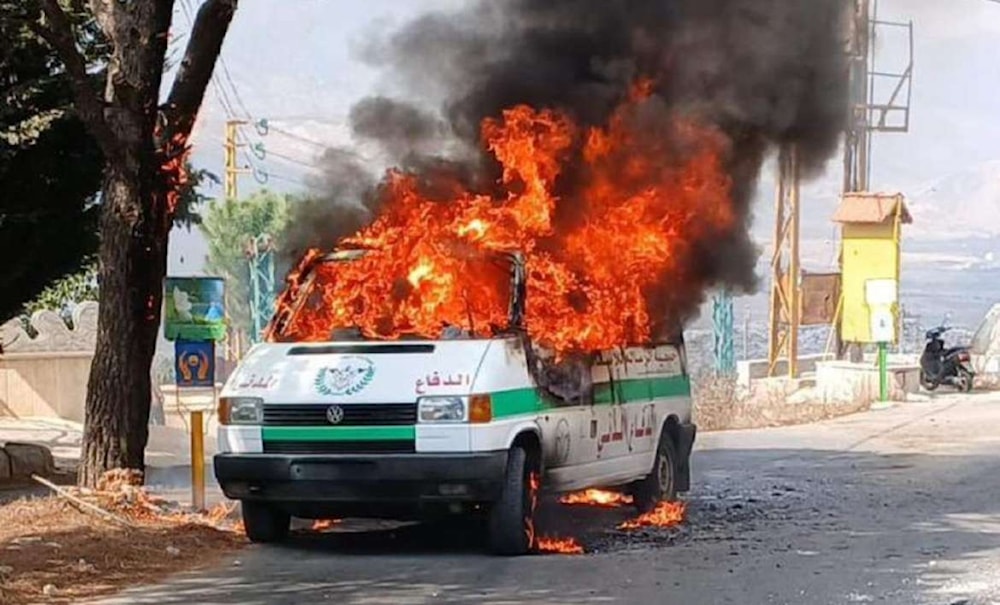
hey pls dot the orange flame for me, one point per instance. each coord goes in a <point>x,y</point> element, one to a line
<point>174,153</point>
<point>597,497</point>
<point>627,233</point>
<point>561,546</point>
<point>666,514</point>
<point>324,525</point>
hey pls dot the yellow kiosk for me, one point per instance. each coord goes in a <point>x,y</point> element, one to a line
<point>871,228</point>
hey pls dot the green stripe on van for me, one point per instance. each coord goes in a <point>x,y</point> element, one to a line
<point>516,402</point>
<point>339,433</point>
<point>675,386</point>
<point>519,402</point>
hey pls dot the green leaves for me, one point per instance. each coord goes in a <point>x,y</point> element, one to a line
<point>64,293</point>
<point>229,226</point>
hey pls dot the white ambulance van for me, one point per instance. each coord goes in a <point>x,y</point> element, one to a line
<point>466,424</point>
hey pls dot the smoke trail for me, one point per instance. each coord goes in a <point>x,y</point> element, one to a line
<point>763,72</point>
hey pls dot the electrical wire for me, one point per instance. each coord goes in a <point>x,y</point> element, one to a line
<point>236,91</point>
<point>225,96</point>
<point>287,158</point>
<point>242,138</point>
<point>297,137</point>
<point>286,179</point>
<point>220,91</point>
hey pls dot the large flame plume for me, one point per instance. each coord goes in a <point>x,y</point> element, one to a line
<point>616,144</point>
<point>640,214</point>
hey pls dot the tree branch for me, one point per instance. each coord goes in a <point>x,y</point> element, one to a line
<point>89,106</point>
<point>195,71</point>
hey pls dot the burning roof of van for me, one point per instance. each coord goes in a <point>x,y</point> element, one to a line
<point>615,147</point>
<point>587,283</point>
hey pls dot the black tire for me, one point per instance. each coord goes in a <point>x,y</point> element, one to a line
<point>660,485</point>
<point>966,380</point>
<point>265,524</point>
<point>511,523</point>
<point>928,383</point>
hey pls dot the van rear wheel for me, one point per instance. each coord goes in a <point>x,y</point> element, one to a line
<point>660,485</point>
<point>265,524</point>
<point>511,523</point>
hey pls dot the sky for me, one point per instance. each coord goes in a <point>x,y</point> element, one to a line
<point>295,63</point>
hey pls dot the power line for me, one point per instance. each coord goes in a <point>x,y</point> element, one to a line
<point>266,153</point>
<point>287,158</point>
<point>232,84</point>
<point>301,138</point>
<point>217,85</point>
<point>286,179</point>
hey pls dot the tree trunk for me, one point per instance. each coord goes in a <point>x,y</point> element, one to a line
<point>144,146</point>
<point>133,264</point>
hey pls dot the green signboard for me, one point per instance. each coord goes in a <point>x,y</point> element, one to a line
<point>194,309</point>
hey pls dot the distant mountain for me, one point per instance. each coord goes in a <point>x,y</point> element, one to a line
<point>960,205</point>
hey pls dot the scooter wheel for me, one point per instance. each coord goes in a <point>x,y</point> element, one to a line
<point>965,380</point>
<point>928,383</point>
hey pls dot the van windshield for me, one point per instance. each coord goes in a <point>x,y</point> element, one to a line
<point>345,296</point>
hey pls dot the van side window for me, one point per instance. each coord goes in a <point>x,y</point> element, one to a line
<point>568,382</point>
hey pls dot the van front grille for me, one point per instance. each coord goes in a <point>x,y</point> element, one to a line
<point>403,446</point>
<point>355,414</point>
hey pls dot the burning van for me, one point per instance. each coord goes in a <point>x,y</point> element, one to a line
<point>333,419</point>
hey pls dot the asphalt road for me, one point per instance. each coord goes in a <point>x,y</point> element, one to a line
<point>897,506</point>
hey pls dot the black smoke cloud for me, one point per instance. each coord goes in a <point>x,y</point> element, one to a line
<point>767,73</point>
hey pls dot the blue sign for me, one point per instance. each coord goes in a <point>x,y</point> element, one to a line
<point>194,362</point>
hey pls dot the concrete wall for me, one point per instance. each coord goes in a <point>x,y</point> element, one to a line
<point>51,385</point>
<point>859,382</point>
<point>751,370</point>
<point>44,373</point>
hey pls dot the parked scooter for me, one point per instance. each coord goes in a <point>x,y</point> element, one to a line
<point>939,365</point>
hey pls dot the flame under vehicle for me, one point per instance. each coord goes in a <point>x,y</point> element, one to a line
<point>478,420</point>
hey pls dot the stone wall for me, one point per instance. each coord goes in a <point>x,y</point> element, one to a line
<point>45,373</point>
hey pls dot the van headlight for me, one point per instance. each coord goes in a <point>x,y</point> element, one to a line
<point>442,409</point>
<point>241,410</point>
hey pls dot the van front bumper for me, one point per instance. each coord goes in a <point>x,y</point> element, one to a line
<point>344,479</point>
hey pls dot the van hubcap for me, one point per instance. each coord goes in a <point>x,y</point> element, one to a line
<point>664,474</point>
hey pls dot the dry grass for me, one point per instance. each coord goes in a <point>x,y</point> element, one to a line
<point>51,553</point>
<point>720,404</point>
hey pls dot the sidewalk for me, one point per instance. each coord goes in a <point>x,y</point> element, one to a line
<point>168,455</point>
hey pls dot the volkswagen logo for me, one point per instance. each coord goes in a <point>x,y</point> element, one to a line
<point>335,414</point>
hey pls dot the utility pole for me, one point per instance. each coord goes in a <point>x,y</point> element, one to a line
<point>232,170</point>
<point>786,307</point>
<point>866,116</point>
<point>857,139</point>
<point>234,346</point>
<point>260,256</point>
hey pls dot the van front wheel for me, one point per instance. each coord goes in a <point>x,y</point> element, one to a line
<point>512,518</point>
<point>265,524</point>
<point>660,485</point>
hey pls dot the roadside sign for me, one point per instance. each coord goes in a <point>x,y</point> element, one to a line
<point>883,324</point>
<point>194,308</point>
<point>194,362</point>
